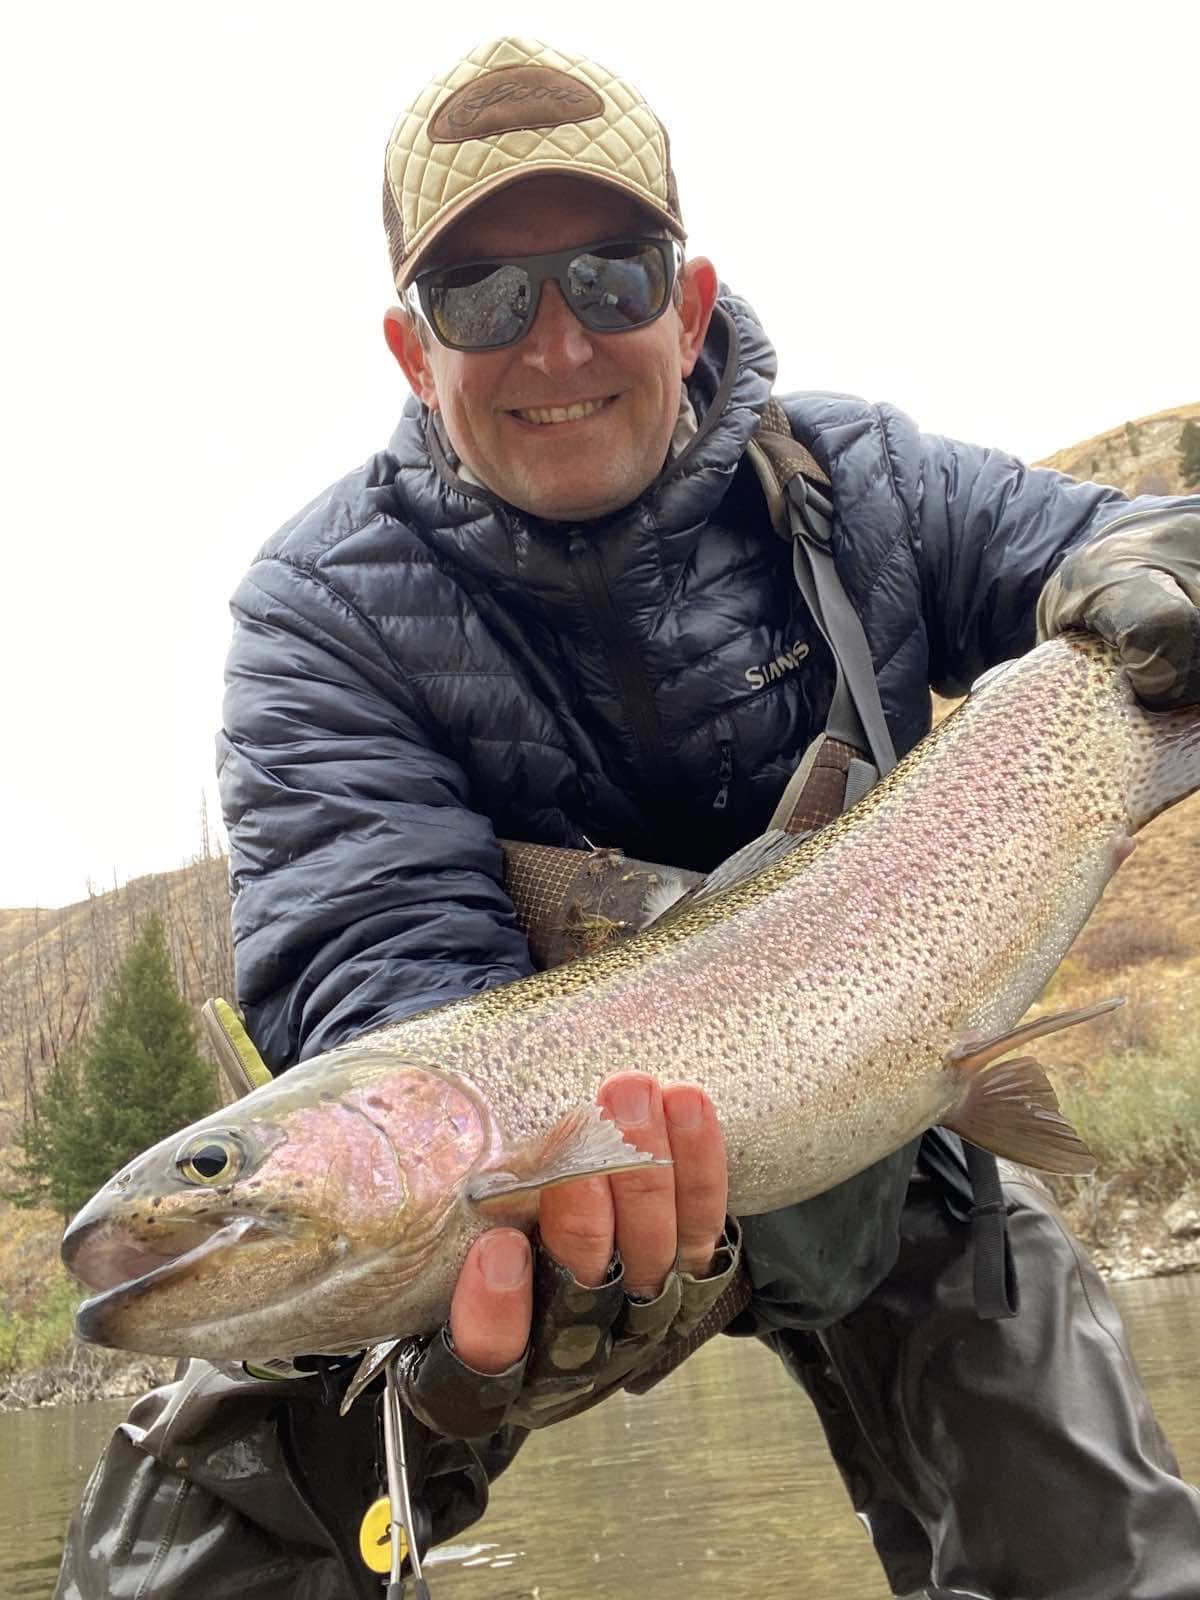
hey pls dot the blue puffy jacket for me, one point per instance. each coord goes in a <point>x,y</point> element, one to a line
<point>416,668</point>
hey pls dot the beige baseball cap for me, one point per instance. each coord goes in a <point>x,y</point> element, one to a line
<point>511,110</point>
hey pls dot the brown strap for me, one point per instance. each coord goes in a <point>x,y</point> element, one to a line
<point>785,453</point>
<point>816,793</point>
<point>574,902</point>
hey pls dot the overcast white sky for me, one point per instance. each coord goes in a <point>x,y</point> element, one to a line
<point>984,213</point>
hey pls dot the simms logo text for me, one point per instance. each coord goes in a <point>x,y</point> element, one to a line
<point>786,661</point>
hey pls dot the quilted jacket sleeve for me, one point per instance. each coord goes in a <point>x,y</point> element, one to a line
<point>365,885</point>
<point>989,531</point>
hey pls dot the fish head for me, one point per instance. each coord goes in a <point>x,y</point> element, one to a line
<point>323,1211</point>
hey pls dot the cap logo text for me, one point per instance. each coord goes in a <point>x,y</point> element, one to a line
<point>512,98</point>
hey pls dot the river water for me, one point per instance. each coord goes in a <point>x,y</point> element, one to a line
<point>716,1483</point>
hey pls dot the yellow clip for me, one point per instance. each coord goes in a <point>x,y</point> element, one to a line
<point>375,1537</point>
<point>241,1063</point>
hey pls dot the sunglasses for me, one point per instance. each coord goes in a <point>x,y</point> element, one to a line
<point>486,305</point>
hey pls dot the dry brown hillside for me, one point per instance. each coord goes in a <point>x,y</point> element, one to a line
<point>1138,457</point>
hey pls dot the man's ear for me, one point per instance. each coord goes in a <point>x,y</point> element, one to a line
<point>698,282</point>
<point>405,340</point>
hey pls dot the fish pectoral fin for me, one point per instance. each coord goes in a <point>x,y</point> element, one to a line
<point>581,1145</point>
<point>1012,1110</point>
<point>976,1053</point>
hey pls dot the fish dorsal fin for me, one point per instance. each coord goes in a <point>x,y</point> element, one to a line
<point>766,851</point>
<point>582,1144</point>
<point>993,674</point>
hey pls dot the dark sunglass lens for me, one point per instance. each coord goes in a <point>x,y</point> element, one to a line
<point>478,308</point>
<point>620,286</point>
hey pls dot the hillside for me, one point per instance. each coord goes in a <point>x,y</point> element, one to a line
<point>1138,457</point>
<point>54,965</point>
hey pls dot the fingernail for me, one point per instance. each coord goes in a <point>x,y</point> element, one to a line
<point>503,1260</point>
<point>629,1101</point>
<point>685,1108</point>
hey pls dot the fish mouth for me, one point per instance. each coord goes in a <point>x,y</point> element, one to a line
<point>103,1257</point>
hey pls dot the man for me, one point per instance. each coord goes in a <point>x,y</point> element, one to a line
<point>542,614</point>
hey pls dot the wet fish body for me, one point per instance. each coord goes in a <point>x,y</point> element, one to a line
<point>833,997</point>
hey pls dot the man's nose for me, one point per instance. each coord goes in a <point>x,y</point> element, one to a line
<point>557,344</point>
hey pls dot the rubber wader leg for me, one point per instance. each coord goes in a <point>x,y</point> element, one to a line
<point>1011,1459</point>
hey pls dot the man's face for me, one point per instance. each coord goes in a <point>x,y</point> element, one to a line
<point>499,406</point>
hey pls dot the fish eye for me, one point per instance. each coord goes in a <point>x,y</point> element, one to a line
<point>210,1158</point>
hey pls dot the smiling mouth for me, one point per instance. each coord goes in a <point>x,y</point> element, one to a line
<point>549,416</point>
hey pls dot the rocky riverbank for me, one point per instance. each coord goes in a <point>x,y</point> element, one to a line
<point>1128,1236</point>
<point>88,1375</point>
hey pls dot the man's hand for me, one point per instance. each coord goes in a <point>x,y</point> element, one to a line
<point>1139,589</point>
<point>657,1218</point>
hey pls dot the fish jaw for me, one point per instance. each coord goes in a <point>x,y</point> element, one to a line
<point>151,1310</point>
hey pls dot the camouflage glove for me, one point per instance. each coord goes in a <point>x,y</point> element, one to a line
<point>586,1343</point>
<point>1138,587</point>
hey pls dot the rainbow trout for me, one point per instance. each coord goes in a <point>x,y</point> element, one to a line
<point>834,996</point>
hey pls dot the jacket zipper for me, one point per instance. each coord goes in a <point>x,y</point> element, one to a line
<point>623,658</point>
<point>724,774</point>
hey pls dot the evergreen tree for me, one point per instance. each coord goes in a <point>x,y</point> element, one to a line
<point>55,1161</point>
<point>140,1077</point>
<point>1189,455</point>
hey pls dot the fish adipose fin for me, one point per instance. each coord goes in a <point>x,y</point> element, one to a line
<point>1010,1108</point>
<point>583,1144</point>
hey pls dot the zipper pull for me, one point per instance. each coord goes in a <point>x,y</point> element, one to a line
<point>724,775</point>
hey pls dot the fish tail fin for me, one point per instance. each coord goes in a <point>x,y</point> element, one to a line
<point>1012,1110</point>
<point>1169,741</point>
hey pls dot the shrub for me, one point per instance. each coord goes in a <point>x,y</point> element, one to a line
<point>1140,1113</point>
<point>1111,947</point>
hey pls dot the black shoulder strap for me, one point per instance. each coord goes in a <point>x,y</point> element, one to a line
<point>798,500</point>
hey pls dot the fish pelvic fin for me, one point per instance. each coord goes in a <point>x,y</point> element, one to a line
<point>583,1144</point>
<point>1012,1110</point>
